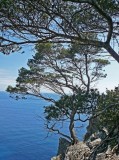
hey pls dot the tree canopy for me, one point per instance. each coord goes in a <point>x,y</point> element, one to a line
<point>69,72</point>
<point>59,21</point>
<point>57,69</point>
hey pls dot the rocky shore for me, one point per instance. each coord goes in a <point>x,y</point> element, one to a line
<point>81,151</point>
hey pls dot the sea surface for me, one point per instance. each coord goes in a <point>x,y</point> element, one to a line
<point>23,135</point>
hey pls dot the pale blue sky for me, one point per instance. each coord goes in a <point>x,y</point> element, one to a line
<point>10,64</point>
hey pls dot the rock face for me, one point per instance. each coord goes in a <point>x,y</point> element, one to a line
<point>94,143</point>
<point>63,145</point>
<point>79,151</point>
<point>91,128</point>
<point>103,156</point>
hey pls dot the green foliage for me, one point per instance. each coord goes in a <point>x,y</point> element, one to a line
<point>108,5</point>
<point>106,117</point>
<point>101,61</point>
<point>5,3</point>
<point>109,104</point>
<point>41,49</point>
<point>79,103</point>
<point>16,89</point>
<point>55,66</point>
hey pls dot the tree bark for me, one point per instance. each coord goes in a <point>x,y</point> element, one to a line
<point>71,128</point>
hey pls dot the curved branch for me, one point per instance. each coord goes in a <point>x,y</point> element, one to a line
<point>107,17</point>
<point>58,132</point>
<point>101,12</point>
<point>41,96</point>
<point>112,52</point>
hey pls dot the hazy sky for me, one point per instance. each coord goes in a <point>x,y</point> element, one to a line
<point>10,64</point>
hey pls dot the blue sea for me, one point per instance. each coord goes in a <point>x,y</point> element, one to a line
<point>23,135</point>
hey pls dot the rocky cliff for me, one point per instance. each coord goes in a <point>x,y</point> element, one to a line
<point>81,151</point>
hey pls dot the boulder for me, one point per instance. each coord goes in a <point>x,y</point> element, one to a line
<point>94,143</point>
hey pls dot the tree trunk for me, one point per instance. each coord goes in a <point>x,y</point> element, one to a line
<point>71,128</point>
